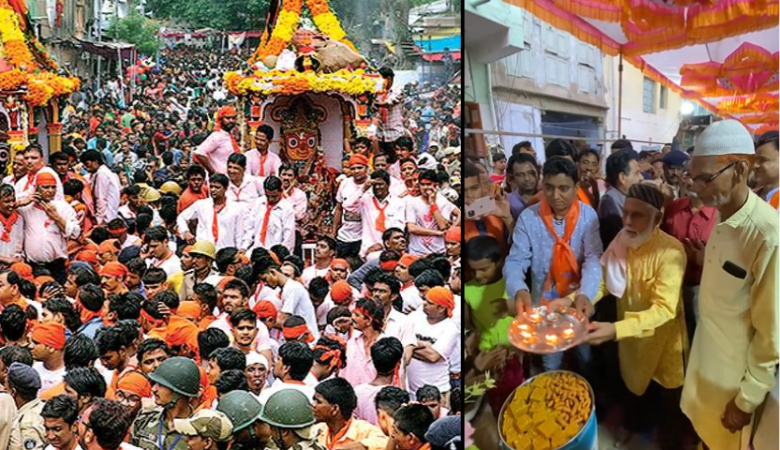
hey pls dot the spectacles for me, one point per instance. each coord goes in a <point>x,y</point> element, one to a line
<point>702,181</point>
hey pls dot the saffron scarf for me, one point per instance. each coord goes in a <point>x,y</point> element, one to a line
<point>564,270</point>
<point>585,197</point>
<point>8,225</point>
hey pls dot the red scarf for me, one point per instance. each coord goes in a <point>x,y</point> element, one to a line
<point>330,442</point>
<point>380,220</point>
<point>264,227</point>
<point>215,221</point>
<point>31,179</point>
<point>262,164</point>
<point>8,225</point>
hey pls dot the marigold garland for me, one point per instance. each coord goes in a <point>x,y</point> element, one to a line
<point>285,26</point>
<point>292,83</point>
<point>327,22</point>
<point>17,49</point>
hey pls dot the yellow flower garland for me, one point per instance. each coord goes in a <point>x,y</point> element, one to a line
<point>327,22</point>
<point>41,86</point>
<point>292,83</point>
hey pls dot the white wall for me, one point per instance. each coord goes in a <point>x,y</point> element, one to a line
<point>520,118</point>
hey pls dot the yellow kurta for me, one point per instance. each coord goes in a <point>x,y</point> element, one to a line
<point>735,349</point>
<point>651,330</point>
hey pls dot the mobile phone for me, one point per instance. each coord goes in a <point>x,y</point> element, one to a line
<point>480,207</point>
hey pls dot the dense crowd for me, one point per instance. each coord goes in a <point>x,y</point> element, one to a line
<point>671,254</point>
<point>160,291</point>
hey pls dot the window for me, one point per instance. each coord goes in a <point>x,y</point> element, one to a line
<point>662,98</point>
<point>648,96</point>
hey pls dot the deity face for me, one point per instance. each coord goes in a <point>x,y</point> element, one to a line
<point>301,144</point>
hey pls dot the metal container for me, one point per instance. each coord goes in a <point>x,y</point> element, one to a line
<point>586,439</point>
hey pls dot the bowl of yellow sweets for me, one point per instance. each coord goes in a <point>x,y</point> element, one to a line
<point>551,411</point>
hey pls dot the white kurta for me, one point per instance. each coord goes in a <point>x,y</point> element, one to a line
<point>735,348</point>
<point>366,204</point>
<point>280,228</point>
<point>299,202</point>
<point>43,240</point>
<point>106,192</point>
<point>230,223</point>
<point>270,167</point>
<point>14,247</point>
<point>250,190</point>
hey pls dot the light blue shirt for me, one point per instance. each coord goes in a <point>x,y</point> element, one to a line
<point>532,247</point>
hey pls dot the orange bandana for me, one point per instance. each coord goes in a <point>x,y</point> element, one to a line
<point>564,269</point>
<point>50,334</point>
<point>45,179</point>
<point>265,309</point>
<point>293,333</point>
<point>341,292</point>
<point>23,270</point>
<point>134,382</point>
<point>442,296</point>
<point>114,269</point>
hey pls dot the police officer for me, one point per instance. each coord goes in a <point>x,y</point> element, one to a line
<point>243,410</point>
<point>288,413</point>
<point>27,430</point>
<point>205,429</point>
<point>174,384</point>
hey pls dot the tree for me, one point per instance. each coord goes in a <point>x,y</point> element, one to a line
<point>139,31</point>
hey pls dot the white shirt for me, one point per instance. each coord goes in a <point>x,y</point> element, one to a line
<point>270,166</point>
<point>250,190</point>
<point>351,229</point>
<point>417,213</point>
<point>280,228</point>
<point>14,247</point>
<point>230,223</point>
<point>446,339</point>
<point>411,297</point>
<point>279,385</point>
<point>23,190</point>
<point>311,273</point>
<point>43,240</point>
<point>171,265</point>
<point>397,187</point>
<point>106,192</point>
<point>49,378</point>
<point>399,326</point>
<point>296,302</point>
<point>322,311</point>
<point>367,205</point>
<point>299,202</point>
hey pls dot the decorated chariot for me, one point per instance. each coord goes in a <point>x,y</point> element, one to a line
<point>31,86</point>
<point>310,84</point>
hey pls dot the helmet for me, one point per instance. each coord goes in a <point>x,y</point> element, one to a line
<point>170,187</point>
<point>181,375</point>
<point>151,195</point>
<point>288,408</point>
<point>241,407</point>
<point>204,248</point>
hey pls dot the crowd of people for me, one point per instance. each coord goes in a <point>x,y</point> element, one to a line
<point>671,254</point>
<point>158,292</point>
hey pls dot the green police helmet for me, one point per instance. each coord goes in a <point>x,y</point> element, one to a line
<point>178,374</point>
<point>288,408</point>
<point>241,407</point>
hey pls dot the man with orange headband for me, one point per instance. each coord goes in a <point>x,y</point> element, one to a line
<point>347,224</point>
<point>378,210</point>
<point>26,186</point>
<point>295,298</point>
<point>369,318</point>
<point>452,243</point>
<point>213,153</point>
<point>48,351</point>
<point>112,277</point>
<point>108,251</point>
<point>438,337</point>
<point>48,224</point>
<point>133,388</point>
<point>12,233</point>
<point>409,292</point>
<point>260,161</point>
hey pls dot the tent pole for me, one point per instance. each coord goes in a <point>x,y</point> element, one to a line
<point>620,96</point>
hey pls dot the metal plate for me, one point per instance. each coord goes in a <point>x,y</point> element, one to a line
<point>545,332</point>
